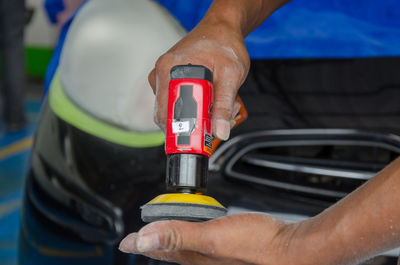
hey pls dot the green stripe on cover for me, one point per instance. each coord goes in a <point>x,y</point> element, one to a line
<point>69,112</point>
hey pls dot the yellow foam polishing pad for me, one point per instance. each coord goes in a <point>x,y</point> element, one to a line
<point>185,198</point>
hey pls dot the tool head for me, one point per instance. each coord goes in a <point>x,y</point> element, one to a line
<point>182,206</point>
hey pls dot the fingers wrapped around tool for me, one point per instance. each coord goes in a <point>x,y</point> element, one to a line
<point>219,50</point>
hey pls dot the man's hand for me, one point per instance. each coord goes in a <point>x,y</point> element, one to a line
<point>219,47</point>
<point>217,43</point>
<point>236,239</point>
<point>363,224</point>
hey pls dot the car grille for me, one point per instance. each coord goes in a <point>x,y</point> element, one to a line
<point>327,163</point>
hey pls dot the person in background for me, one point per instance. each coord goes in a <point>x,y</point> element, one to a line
<point>12,98</point>
<point>60,11</point>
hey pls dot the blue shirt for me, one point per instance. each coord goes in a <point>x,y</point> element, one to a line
<point>315,28</point>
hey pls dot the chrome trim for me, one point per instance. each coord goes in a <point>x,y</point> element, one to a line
<point>351,174</point>
<point>283,185</point>
<point>219,153</point>
<point>239,146</point>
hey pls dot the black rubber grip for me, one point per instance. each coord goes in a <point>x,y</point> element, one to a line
<point>190,71</point>
<point>185,107</point>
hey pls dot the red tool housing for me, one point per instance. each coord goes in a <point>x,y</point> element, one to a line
<point>188,128</point>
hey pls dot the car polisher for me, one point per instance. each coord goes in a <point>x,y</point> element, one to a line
<point>189,144</point>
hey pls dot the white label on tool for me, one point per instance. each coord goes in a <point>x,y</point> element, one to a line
<point>180,126</point>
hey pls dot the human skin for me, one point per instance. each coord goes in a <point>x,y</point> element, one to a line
<point>217,42</point>
<point>359,226</point>
<point>70,8</point>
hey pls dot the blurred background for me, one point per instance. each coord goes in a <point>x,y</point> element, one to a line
<point>34,36</point>
<point>40,37</point>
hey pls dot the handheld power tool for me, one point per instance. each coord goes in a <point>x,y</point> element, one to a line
<point>189,144</point>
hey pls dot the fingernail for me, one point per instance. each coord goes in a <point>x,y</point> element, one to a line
<point>222,129</point>
<point>148,242</point>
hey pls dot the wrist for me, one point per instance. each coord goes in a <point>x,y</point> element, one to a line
<point>225,21</point>
<point>242,15</point>
<point>314,241</point>
<point>233,14</point>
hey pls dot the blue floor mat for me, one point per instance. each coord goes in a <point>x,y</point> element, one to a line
<point>9,224</point>
<point>14,159</point>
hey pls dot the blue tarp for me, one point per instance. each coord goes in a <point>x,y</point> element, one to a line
<point>315,29</point>
<point>301,29</point>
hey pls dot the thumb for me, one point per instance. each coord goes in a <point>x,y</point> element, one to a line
<point>165,236</point>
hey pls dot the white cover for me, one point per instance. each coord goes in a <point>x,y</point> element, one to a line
<point>111,47</point>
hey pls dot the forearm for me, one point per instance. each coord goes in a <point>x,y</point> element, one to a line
<point>359,226</point>
<point>242,15</point>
